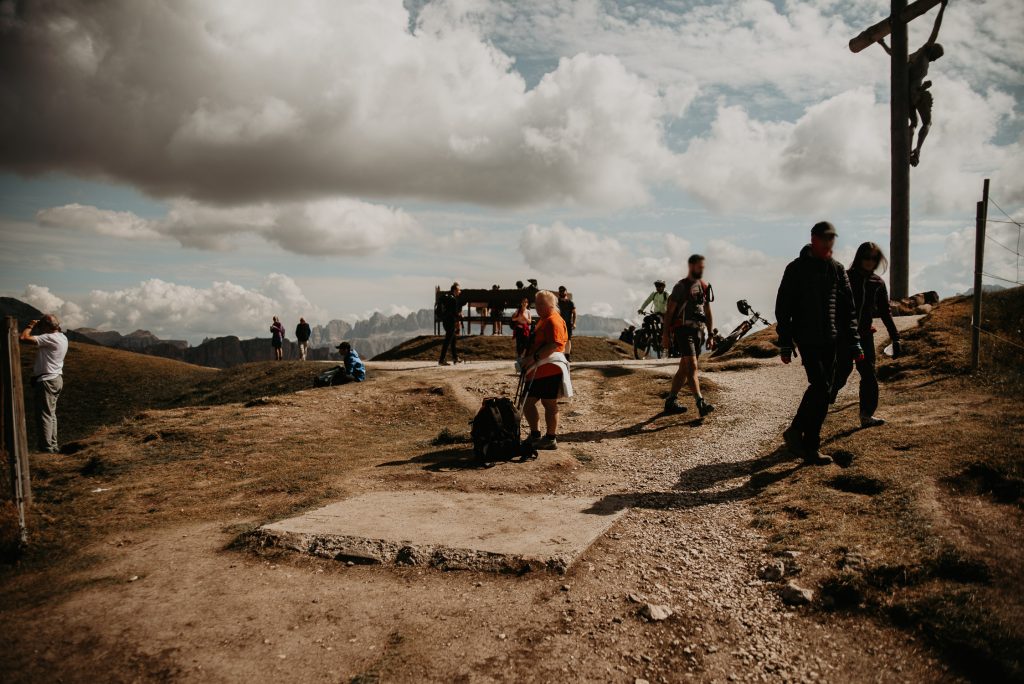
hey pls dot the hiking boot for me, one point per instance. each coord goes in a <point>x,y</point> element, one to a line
<point>817,458</point>
<point>794,441</point>
<point>673,406</point>
<point>704,408</point>
<point>870,421</point>
<point>533,437</point>
<point>546,443</point>
<point>443,363</point>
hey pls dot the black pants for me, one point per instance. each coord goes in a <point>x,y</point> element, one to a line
<point>819,364</point>
<point>450,339</point>
<point>868,377</point>
<point>522,342</point>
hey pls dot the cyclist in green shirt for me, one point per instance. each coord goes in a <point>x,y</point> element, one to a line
<point>658,299</point>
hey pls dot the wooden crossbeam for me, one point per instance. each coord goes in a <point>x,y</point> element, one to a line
<point>873,34</point>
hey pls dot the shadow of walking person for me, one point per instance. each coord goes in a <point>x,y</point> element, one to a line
<point>698,486</point>
<point>644,427</point>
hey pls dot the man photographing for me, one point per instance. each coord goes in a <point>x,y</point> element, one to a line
<point>688,317</point>
<point>47,375</point>
<point>815,312</point>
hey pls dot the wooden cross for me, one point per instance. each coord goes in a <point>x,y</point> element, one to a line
<point>900,15</point>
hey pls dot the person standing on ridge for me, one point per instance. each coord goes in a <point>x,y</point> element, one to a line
<point>687,317</point>
<point>567,310</point>
<point>277,338</point>
<point>816,313</point>
<point>449,310</point>
<point>302,333</point>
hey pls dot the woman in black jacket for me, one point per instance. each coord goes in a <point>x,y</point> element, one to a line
<point>872,301</point>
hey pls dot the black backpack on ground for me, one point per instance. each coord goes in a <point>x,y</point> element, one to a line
<point>326,379</point>
<point>495,429</point>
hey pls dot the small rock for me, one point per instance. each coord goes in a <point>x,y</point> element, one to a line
<point>133,578</point>
<point>656,612</point>
<point>639,680</point>
<point>437,390</point>
<point>772,571</point>
<point>502,636</point>
<point>795,595</point>
<point>259,401</point>
<point>566,587</point>
<point>634,598</point>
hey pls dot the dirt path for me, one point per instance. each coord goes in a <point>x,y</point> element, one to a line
<point>196,611</point>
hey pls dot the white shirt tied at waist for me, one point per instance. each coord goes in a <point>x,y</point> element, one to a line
<point>559,359</point>
<point>53,347</point>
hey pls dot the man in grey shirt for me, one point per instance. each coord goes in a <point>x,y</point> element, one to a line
<point>47,375</point>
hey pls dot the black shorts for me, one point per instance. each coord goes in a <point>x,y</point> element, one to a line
<point>546,388</point>
<point>689,341</point>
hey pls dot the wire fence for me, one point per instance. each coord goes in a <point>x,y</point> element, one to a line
<point>1016,252</point>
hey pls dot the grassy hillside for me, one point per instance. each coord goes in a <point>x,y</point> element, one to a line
<point>103,386</point>
<point>495,348</point>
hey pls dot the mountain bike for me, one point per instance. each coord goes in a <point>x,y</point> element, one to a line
<point>724,344</point>
<point>647,338</point>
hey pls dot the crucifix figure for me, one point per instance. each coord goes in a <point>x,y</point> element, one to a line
<point>920,97</point>
<point>909,100</point>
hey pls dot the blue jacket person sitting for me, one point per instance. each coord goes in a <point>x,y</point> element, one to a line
<point>353,369</point>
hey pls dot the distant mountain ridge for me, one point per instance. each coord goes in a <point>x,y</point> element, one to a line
<point>370,337</point>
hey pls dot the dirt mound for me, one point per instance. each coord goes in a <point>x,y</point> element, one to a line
<point>497,347</point>
<point>762,344</point>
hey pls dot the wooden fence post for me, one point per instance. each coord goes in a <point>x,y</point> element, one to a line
<point>980,221</point>
<point>15,440</point>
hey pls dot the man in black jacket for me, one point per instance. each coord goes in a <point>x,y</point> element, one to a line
<point>302,333</point>
<point>815,311</point>
<point>450,307</point>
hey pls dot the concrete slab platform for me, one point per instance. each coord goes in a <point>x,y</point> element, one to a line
<point>448,530</point>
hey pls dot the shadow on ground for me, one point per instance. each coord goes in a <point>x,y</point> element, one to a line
<point>697,486</point>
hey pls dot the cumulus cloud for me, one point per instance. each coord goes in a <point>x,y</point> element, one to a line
<point>953,271</point>
<point>332,227</point>
<point>234,102</point>
<point>69,313</point>
<point>561,251</point>
<point>172,310</point>
<point>836,156</point>
<point>793,50</point>
<point>567,251</point>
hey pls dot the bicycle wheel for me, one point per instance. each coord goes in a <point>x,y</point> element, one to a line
<point>641,344</point>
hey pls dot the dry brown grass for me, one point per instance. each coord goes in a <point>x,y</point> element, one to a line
<point>931,501</point>
<point>496,348</point>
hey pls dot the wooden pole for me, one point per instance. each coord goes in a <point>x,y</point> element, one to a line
<point>15,440</point>
<point>980,221</point>
<point>899,129</point>
<point>873,34</point>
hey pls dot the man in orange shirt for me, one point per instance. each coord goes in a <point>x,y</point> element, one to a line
<point>550,337</point>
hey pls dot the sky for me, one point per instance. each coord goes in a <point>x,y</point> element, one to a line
<point>193,168</point>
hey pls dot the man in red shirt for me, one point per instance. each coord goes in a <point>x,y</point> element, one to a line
<point>550,337</point>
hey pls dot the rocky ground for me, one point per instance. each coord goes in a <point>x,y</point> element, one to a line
<point>684,587</point>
